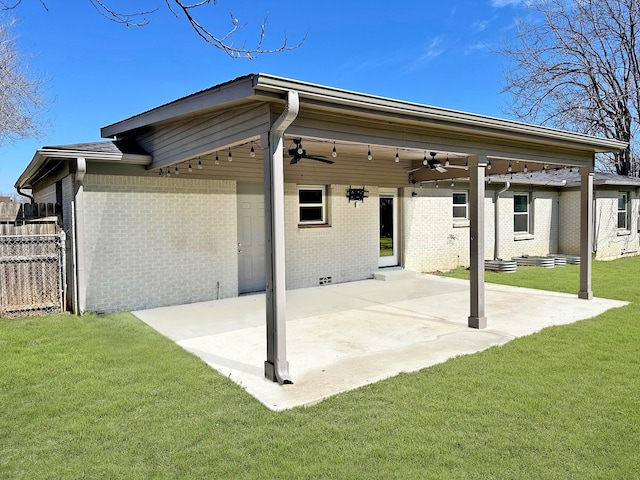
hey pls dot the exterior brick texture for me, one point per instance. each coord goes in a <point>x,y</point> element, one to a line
<point>346,250</point>
<point>435,241</point>
<point>158,241</point>
<point>164,241</point>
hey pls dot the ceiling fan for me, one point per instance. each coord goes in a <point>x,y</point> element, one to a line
<point>434,164</point>
<point>298,153</point>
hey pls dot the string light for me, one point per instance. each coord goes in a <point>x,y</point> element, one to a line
<point>525,169</point>
<point>190,169</point>
<point>177,171</point>
<point>509,168</point>
<point>229,157</point>
<point>425,162</point>
<point>452,183</point>
<point>160,172</point>
<point>437,186</point>
<point>199,164</point>
<point>397,156</point>
<point>168,172</point>
<point>334,152</point>
<point>217,162</point>
<point>466,164</point>
<point>489,165</point>
<point>446,162</point>
<point>369,156</point>
<point>252,152</point>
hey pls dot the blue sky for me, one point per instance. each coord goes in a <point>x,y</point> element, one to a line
<point>427,51</point>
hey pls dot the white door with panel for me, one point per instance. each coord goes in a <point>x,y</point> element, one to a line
<point>251,264</point>
<point>389,251</point>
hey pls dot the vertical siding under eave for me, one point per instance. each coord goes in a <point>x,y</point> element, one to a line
<point>203,134</point>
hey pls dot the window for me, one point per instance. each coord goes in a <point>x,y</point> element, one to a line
<point>622,211</point>
<point>460,207</point>
<point>521,213</point>
<point>311,205</point>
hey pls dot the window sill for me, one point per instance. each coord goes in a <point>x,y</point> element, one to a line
<point>314,225</point>
<point>522,236</point>
<point>461,223</point>
<point>621,233</point>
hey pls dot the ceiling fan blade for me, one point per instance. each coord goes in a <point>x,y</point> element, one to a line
<point>319,159</point>
<point>440,168</point>
<point>414,169</point>
<point>295,160</point>
<point>461,167</point>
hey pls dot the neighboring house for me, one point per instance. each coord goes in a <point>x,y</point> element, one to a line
<point>196,199</point>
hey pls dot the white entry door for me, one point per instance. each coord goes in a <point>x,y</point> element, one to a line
<point>389,251</point>
<point>251,266</point>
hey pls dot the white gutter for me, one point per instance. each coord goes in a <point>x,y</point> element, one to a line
<point>496,221</point>
<point>276,365</point>
<point>80,273</point>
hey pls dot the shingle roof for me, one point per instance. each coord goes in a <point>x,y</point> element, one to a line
<point>564,177</point>
<point>115,146</point>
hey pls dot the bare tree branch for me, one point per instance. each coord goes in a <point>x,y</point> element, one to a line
<point>574,65</point>
<point>21,92</point>
<point>178,8</point>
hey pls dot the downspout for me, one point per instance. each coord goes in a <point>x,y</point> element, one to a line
<point>496,221</point>
<point>20,192</point>
<point>276,365</point>
<point>80,261</point>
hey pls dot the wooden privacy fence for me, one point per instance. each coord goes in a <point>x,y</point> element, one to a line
<point>32,259</point>
<point>28,219</point>
<point>32,274</point>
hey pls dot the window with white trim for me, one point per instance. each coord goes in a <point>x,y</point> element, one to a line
<point>312,208</point>
<point>521,210</point>
<point>623,211</point>
<point>460,206</point>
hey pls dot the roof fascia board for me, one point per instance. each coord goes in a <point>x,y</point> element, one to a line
<point>346,98</point>
<point>45,155</point>
<point>225,93</point>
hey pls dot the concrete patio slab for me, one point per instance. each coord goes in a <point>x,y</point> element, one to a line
<point>341,337</point>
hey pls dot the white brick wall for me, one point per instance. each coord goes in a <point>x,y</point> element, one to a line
<point>569,222</point>
<point>433,241</point>
<point>158,241</point>
<point>347,250</point>
<point>610,242</point>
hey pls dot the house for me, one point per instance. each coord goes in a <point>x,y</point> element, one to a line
<point>268,183</point>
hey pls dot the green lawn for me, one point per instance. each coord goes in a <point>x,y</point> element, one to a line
<point>107,397</point>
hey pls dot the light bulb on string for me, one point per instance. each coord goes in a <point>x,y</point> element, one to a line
<point>199,164</point>
<point>489,165</point>
<point>217,161</point>
<point>229,157</point>
<point>397,156</point>
<point>252,152</point>
<point>437,186</point>
<point>334,152</point>
<point>509,168</point>
<point>425,162</point>
<point>190,168</point>
<point>160,172</point>
<point>369,156</point>
<point>525,169</point>
<point>446,162</point>
<point>177,171</point>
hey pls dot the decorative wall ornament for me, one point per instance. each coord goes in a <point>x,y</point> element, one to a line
<point>357,194</point>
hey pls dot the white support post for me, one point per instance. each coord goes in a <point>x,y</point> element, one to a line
<point>276,367</point>
<point>586,231</point>
<point>477,165</point>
